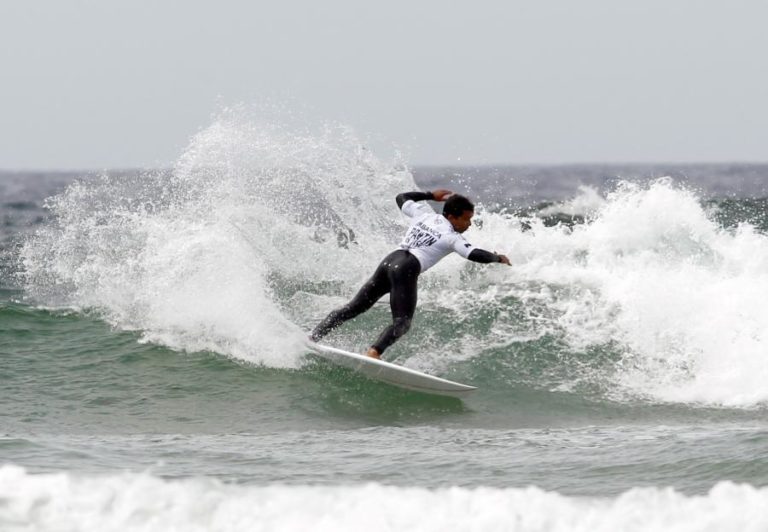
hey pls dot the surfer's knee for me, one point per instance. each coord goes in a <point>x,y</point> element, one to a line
<point>401,326</point>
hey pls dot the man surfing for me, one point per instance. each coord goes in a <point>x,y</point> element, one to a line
<point>429,238</point>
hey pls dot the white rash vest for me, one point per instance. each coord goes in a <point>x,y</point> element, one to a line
<point>431,236</point>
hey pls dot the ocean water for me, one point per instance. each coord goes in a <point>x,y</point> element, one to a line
<point>154,376</point>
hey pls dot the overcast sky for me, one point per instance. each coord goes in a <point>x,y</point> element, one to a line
<point>125,83</point>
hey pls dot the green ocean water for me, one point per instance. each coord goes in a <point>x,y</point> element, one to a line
<point>81,396</point>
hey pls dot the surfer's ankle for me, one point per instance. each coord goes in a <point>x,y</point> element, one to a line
<point>373,353</point>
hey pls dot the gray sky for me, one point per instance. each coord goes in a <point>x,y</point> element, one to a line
<point>114,83</point>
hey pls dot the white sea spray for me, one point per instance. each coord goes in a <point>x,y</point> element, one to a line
<point>191,257</point>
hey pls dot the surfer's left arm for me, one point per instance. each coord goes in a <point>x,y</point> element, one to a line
<point>486,257</point>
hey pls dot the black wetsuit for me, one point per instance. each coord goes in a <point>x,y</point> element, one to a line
<point>397,275</point>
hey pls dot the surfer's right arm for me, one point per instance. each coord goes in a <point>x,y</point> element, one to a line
<point>435,195</point>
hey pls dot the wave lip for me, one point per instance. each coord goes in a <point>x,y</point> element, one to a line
<point>197,257</point>
<point>130,501</point>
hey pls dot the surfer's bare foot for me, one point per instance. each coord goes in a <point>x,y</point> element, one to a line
<point>373,353</point>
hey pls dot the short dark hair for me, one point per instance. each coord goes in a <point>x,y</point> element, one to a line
<point>456,205</point>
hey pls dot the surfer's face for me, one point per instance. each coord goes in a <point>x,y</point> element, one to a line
<point>461,223</point>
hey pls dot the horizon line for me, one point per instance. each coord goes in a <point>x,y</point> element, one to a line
<point>140,168</point>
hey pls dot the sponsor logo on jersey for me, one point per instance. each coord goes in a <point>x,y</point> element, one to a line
<point>421,235</point>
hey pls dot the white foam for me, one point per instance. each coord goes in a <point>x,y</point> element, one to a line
<point>142,502</point>
<point>653,274</point>
<point>586,203</point>
<point>193,258</point>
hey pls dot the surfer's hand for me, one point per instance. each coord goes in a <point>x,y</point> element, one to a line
<point>504,260</point>
<point>441,194</point>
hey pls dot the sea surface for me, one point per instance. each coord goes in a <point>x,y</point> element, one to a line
<point>153,374</point>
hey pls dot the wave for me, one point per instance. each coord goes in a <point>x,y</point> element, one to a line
<point>130,501</point>
<point>259,230</point>
<point>189,257</point>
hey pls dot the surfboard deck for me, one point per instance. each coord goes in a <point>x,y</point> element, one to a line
<point>393,374</point>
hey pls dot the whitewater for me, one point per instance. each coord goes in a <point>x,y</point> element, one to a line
<point>142,502</point>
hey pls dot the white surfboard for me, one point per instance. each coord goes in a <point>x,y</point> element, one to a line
<point>392,373</point>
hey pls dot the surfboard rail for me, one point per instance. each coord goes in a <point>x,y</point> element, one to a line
<point>390,373</point>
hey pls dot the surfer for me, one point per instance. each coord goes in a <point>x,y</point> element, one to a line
<point>429,238</point>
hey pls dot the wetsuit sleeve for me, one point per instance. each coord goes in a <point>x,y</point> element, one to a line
<point>412,196</point>
<point>482,256</point>
<point>470,252</point>
<point>408,203</point>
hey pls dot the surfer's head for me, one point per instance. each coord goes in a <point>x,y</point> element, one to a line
<point>459,211</point>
